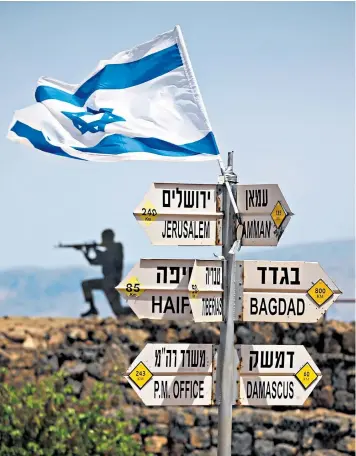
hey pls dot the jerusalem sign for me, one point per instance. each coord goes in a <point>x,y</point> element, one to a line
<point>181,214</point>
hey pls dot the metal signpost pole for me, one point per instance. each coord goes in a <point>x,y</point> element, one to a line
<point>225,367</point>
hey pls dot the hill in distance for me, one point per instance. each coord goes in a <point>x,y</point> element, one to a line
<point>57,292</point>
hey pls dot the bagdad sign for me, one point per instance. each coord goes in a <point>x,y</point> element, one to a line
<point>182,374</point>
<point>173,374</point>
<point>181,214</point>
<point>285,291</point>
<point>275,375</point>
<point>264,214</point>
<point>158,288</point>
<point>271,291</point>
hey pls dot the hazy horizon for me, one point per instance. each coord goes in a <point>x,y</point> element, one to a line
<point>244,252</point>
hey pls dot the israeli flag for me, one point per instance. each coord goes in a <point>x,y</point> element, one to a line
<point>143,104</point>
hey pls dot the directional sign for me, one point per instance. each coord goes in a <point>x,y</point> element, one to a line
<point>162,305</point>
<point>181,214</point>
<point>177,390</point>
<point>271,291</point>
<point>158,289</point>
<point>280,291</point>
<point>206,290</point>
<point>264,214</point>
<point>153,374</point>
<point>275,375</point>
<point>170,359</point>
<point>183,374</point>
<point>153,274</point>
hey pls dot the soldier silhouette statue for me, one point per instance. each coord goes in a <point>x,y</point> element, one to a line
<point>111,260</point>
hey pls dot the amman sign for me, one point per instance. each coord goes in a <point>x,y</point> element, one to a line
<point>264,214</point>
<point>181,214</point>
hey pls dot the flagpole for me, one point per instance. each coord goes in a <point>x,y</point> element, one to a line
<point>225,367</point>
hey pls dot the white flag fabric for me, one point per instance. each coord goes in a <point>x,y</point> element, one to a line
<point>143,104</point>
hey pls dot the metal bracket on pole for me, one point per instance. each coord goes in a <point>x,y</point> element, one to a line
<point>233,202</point>
<point>224,179</point>
<point>238,243</point>
<point>278,232</point>
<point>239,290</point>
<point>233,248</point>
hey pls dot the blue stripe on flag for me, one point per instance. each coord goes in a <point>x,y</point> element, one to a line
<point>120,144</point>
<point>38,140</point>
<point>117,76</point>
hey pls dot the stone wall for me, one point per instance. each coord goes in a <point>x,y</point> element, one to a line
<point>101,350</point>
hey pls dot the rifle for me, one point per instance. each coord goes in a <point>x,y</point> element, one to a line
<point>88,245</point>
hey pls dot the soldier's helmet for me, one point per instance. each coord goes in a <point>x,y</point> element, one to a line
<point>107,236</point>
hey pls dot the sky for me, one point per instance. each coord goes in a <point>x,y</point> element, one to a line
<point>277,80</point>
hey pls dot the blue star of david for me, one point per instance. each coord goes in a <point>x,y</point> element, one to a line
<point>95,126</point>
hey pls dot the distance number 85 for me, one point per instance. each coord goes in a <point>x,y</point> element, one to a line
<point>133,287</point>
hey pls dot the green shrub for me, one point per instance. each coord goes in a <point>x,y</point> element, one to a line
<point>45,419</point>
